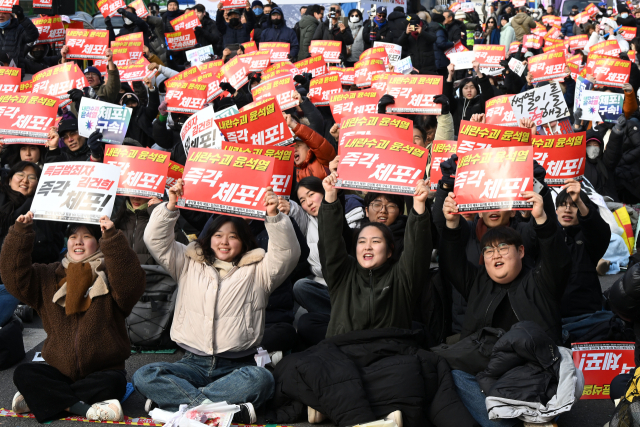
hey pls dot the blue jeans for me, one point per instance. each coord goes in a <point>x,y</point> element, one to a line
<point>312,296</point>
<point>196,378</point>
<point>8,305</point>
<point>473,398</point>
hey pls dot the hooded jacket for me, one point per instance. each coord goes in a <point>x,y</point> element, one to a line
<point>567,28</point>
<point>421,49</point>
<point>213,314</point>
<point>507,36</point>
<point>463,108</point>
<point>442,44</point>
<point>601,171</point>
<point>14,38</point>
<point>324,33</point>
<point>308,25</point>
<point>628,168</point>
<point>31,65</point>
<point>141,123</point>
<point>624,299</point>
<point>454,31</point>
<point>238,35</point>
<point>522,24</point>
<point>281,34</point>
<point>320,154</point>
<point>397,26</point>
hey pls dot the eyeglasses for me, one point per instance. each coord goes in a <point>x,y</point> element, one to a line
<point>568,206</point>
<point>22,175</point>
<point>377,207</point>
<point>490,251</point>
<point>69,135</point>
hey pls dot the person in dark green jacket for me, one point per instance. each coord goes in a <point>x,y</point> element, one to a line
<point>371,290</point>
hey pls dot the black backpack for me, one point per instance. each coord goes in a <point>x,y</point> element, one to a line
<point>149,323</point>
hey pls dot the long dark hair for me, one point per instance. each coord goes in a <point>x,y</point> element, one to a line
<point>312,183</point>
<point>11,153</point>
<point>242,229</point>
<point>14,199</point>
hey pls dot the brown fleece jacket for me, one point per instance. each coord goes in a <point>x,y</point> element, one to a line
<point>86,342</point>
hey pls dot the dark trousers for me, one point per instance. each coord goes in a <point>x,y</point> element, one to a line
<point>312,327</point>
<point>278,337</point>
<point>48,392</point>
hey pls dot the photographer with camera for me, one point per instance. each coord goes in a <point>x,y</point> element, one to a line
<point>376,29</point>
<point>418,43</point>
<point>334,28</point>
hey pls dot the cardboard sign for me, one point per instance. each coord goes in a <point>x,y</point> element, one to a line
<point>352,103</point>
<point>463,60</point>
<point>200,131</point>
<point>256,61</point>
<point>187,21</point>
<point>260,125</point>
<point>394,51</point>
<point>563,156</point>
<point>109,8</point>
<point>542,104</point>
<point>280,69</point>
<point>50,29</point>
<point>414,94</point>
<point>314,65</point>
<point>600,362</point>
<point>250,47</point>
<point>330,50</point>
<point>381,163</point>
<point>143,171</point>
<point>57,81</point>
<point>440,152</point>
<point>279,50</point>
<point>27,115</point>
<point>10,79</point>
<point>365,69</point>
<point>185,97</point>
<point>234,4</point>
<point>87,44</point>
<point>181,40</point>
<point>532,41</point>
<point>474,136</point>
<point>321,88</point>
<point>612,72</point>
<point>234,72</point>
<point>75,192</point>
<point>457,47</point>
<point>110,119</point>
<point>135,72</point>
<point>498,111</point>
<point>281,88</point>
<point>489,55</point>
<point>376,124</point>
<point>547,66</point>
<point>174,174</point>
<point>141,9</point>
<point>226,182</point>
<point>601,106</point>
<point>282,178</point>
<point>516,66</point>
<point>608,47</point>
<point>628,33</point>
<point>491,179</point>
<point>578,42</point>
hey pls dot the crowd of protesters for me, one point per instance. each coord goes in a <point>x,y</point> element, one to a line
<point>340,287</point>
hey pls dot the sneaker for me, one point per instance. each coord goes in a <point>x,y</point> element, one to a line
<point>395,416</point>
<point>315,417</point>
<point>25,313</point>
<point>275,357</point>
<point>247,414</point>
<point>150,405</point>
<point>19,405</point>
<point>109,410</point>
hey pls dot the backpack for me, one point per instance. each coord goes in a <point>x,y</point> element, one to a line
<point>149,323</point>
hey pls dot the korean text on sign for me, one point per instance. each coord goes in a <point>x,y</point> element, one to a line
<point>353,103</point>
<point>87,44</point>
<point>414,94</point>
<point>27,115</point>
<point>563,156</point>
<point>393,127</point>
<point>541,104</point>
<point>474,136</point>
<point>143,171</point>
<point>601,362</point>
<point>440,152</point>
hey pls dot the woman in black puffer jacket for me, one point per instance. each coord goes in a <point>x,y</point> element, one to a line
<point>474,93</point>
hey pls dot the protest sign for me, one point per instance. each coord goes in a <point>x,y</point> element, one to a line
<point>628,33</point>
<point>551,20</point>
<point>380,163</point>
<point>181,40</point>
<point>463,60</point>
<point>279,69</point>
<point>474,136</point>
<point>187,21</point>
<point>110,119</point>
<point>201,131</point>
<point>379,82</point>
<point>600,362</point>
<point>174,174</point>
<point>581,18</point>
<point>136,72</point>
<point>282,178</point>
<point>414,94</point>
<point>260,125</point>
<point>403,66</point>
<point>50,29</point>
<point>547,66</point>
<point>226,182</point>
<point>365,69</point>
<point>517,66</point>
<point>256,61</point>
<point>141,9</point>
<point>234,4</point>
<point>394,51</point>
<point>250,47</point>
<point>455,6</point>
<point>279,50</point>
<point>26,86</point>
<point>58,80</point>
<point>582,85</point>
<point>514,47</point>
<point>187,75</point>
<point>498,111</point>
<point>321,88</point>
<point>489,55</point>
<point>234,72</point>
<point>351,103</point>
<point>532,41</point>
<point>314,65</point>
<point>591,9</point>
<point>227,112</point>
<point>491,179</point>
<point>200,55</point>
<point>87,44</point>
<point>126,50</point>
<point>612,72</point>
<point>75,192</point>
<point>329,50</point>
<point>27,116</point>
<point>457,47</point>
<point>376,124</point>
<point>347,76</point>
<point>185,97</point>
<point>563,156</point>
<point>554,33</point>
<point>10,79</point>
<point>468,7</point>
<point>440,152</point>
<point>108,8</point>
<point>42,4</point>
<point>281,88</point>
<point>608,47</point>
<point>143,171</point>
<point>578,42</point>
<point>542,104</point>
<point>377,53</point>
<point>209,76</point>
<point>601,106</point>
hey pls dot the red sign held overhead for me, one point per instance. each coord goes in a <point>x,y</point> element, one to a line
<point>50,28</point>
<point>141,9</point>
<point>174,174</point>
<point>321,88</point>
<point>376,124</point>
<point>498,111</point>
<point>578,42</point>
<point>489,55</point>
<point>27,115</point>
<point>281,88</point>
<point>250,47</point>
<point>187,21</point>
<point>10,78</point>
<point>366,68</point>
<point>547,66</point>
<point>457,47</point>
<point>532,41</point>
<point>314,65</point>
<point>234,72</point>
<point>185,97</point>
<point>57,81</point>
<point>135,72</point>
<point>257,60</point>
<point>609,48</point>
<point>181,40</point>
<point>108,8</point>
<point>279,69</point>
<point>474,136</point>
<point>414,94</point>
<point>352,103</point>
<point>612,72</point>
<point>143,171</point>
<point>87,44</point>
<point>234,4</point>
<point>330,50</point>
<point>440,152</point>
<point>279,50</point>
<point>563,156</point>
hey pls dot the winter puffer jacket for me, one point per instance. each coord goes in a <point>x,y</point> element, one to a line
<point>320,154</point>
<point>624,299</point>
<point>324,33</point>
<point>13,39</point>
<point>363,376</point>
<point>442,44</point>
<point>601,171</point>
<point>281,34</point>
<point>522,25</point>
<point>420,49</point>
<point>628,169</point>
<point>308,25</point>
<point>137,26</point>
<point>141,123</point>
<point>507,36</point>
<point>398,26</point>
<point>240,34</point>
<point>382,33</point>
<point>208,34</point>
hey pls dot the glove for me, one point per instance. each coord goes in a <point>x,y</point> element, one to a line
<point>621,124</point>
<point>448,168</point>
<point>384,101</point>
<point>198,31</point>
<point>442,99</point>
<point>300,79</point>
<point>75,95</point>
<point>162,109</point>
<point>17,9</point>
<point>227,86</point>
<point>121,11</point>
<point>95,145</point>
<point>577,114</point>
<point>539,172</point>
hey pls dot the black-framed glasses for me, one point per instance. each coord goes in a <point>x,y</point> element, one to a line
<point>377,207</point>
<point>490,251</point>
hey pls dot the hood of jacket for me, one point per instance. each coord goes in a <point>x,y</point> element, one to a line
<point>279,11</point>
<point>47,48</point>
<point>396,15</point>
<point>520,18</point>
<point>504,27</point>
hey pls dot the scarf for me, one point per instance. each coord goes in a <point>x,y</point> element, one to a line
<point>223,267</point>
<point>84,281</point>
<point>139,208</point>
<point>15,199</point>
<point>380,24</point>
<point>415,34</point>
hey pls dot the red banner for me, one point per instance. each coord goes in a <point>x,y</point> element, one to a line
<point>314,65</point>
<point>329,49</point>
<point>551,20</point>
<point>589,66</point>
<point>457,47</point>
<point>280,69</point>
<point>10,79</point>
<point>234,72</point>
<point>600,362</point>
<point>474,136</point>
<point>174,174</point>
<point>282,178</point>
<point>187,21</point>
<point>376,124</point>
<point>234,4</point>
<point>612,72</point>
<point>414,94</point>
<point>185,97</point>
<point>563,156</point>
<point>126,50</point>
<point>281,88</point>
<point>578,42</point>
<point>514,47</point>
<point>211,80</point>
<point>26,86</point>
<point>547,66</point>
<point>226,182</point>
<point>109,8</point>
<point>57,81</point>
<point>87,44</point>
<point>366,68</point>
<point>135,72</point>
<point>50,28</point>
<point>531,41</point>
<point>143,171</point>
<point>347,75</point>
<point>376,53</point>
<point>250,47</point>
<point>440,151</point>
<point>609,48</point>
<point>181,40</point>
<point>379,82</point>
<point>554,33</point>
<point>27,115</point>
<point>260,125</point>
<point>628,33</point>
<point>498,111</point>
<point>591,9</point>
<point>279,50</point>
<point>489,55</point>
<point>492,179</point>
<point>257,60</point>
<point>141,9</point>
<point>321,88</point>
<point>351,103</point>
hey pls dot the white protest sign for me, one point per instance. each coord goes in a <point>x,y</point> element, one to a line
<point>589,105</point>
<point>601,106</point>
<point>200,55</point>
<point>491,71</point>
<point>468,6</point>
<point>394,51</point>
<point>517,66</point>
<point>201,131</point>
<point>75,192</point>
<point>110,119</point>
<point>542,104</point>
<point>463,60</point>
<point>403,66</point>
<point>582,85</point>
<point>230,111</point>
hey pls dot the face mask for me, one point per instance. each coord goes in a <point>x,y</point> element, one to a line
<point>37,54</point>
<point>257,11</point>
<point>624,15</point>
<point>593,152</point>
<point>354,19</point>
<point>276,22</point>
<point>608,12</point>
<point>234,22</point>
<point>127,21</point>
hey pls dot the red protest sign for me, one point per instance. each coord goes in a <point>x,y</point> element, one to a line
<point>563,156</point>
<point>351,103</point>
<point>457,47</point>
<point>234,4</point>
<point>187,21</point>
<point>474,136</point>
<point>279,50</point>
<point>10,78</point>
<point>279,69</point>
<point>109,8</point>
<point>554,33</point>
<point>209,77</point>
<point>366,68</point>
<point>381,163</point>
<point>531,41</point>
<point>250,47</point>
<point>489,55</point>
<point>87,44</point>
<point>491,179</point>
<point>589,66</point>
<point>174,174</point>
<point>591,9</point>
<point>282,178</point>
<point>57,81</point>
<point>329,50</point>
<point>551,20</point>
<point>257,60</point>
<point>281,88</point>
<point>27,114</point>
<point>514,47</point>
<point>314,65</point>
<point>376,124</point>
<point>609,48</point>
<point>226,182</point>
<point>440,151</point>
<point>42,4</point>
<point>498,111</point>
<point>133,37</point>
<point>141,9</point>
<point>260,125</point>
<point>321,88</point>
<point>547,66</point>
<point>376,53</point>
<point>185,97</point>
<point>379,82</point>
<point>143,171</point>
<point>414,94</point>
<point>26,86</point>
<point>181,40</point>
<point>600,362</point>
<point>50,29</point>
<point>578,42</point>
<point>126,50</point>
<point>347,75</point>
<point>135,72</point>
<point>612,72</point>
<point>234,72</point>
<point>628,33</point>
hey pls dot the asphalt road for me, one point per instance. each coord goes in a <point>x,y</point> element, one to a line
<point>585,413</point>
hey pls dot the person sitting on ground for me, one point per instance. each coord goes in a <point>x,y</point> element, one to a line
<point>312,153</point>
<point>86,296</point>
